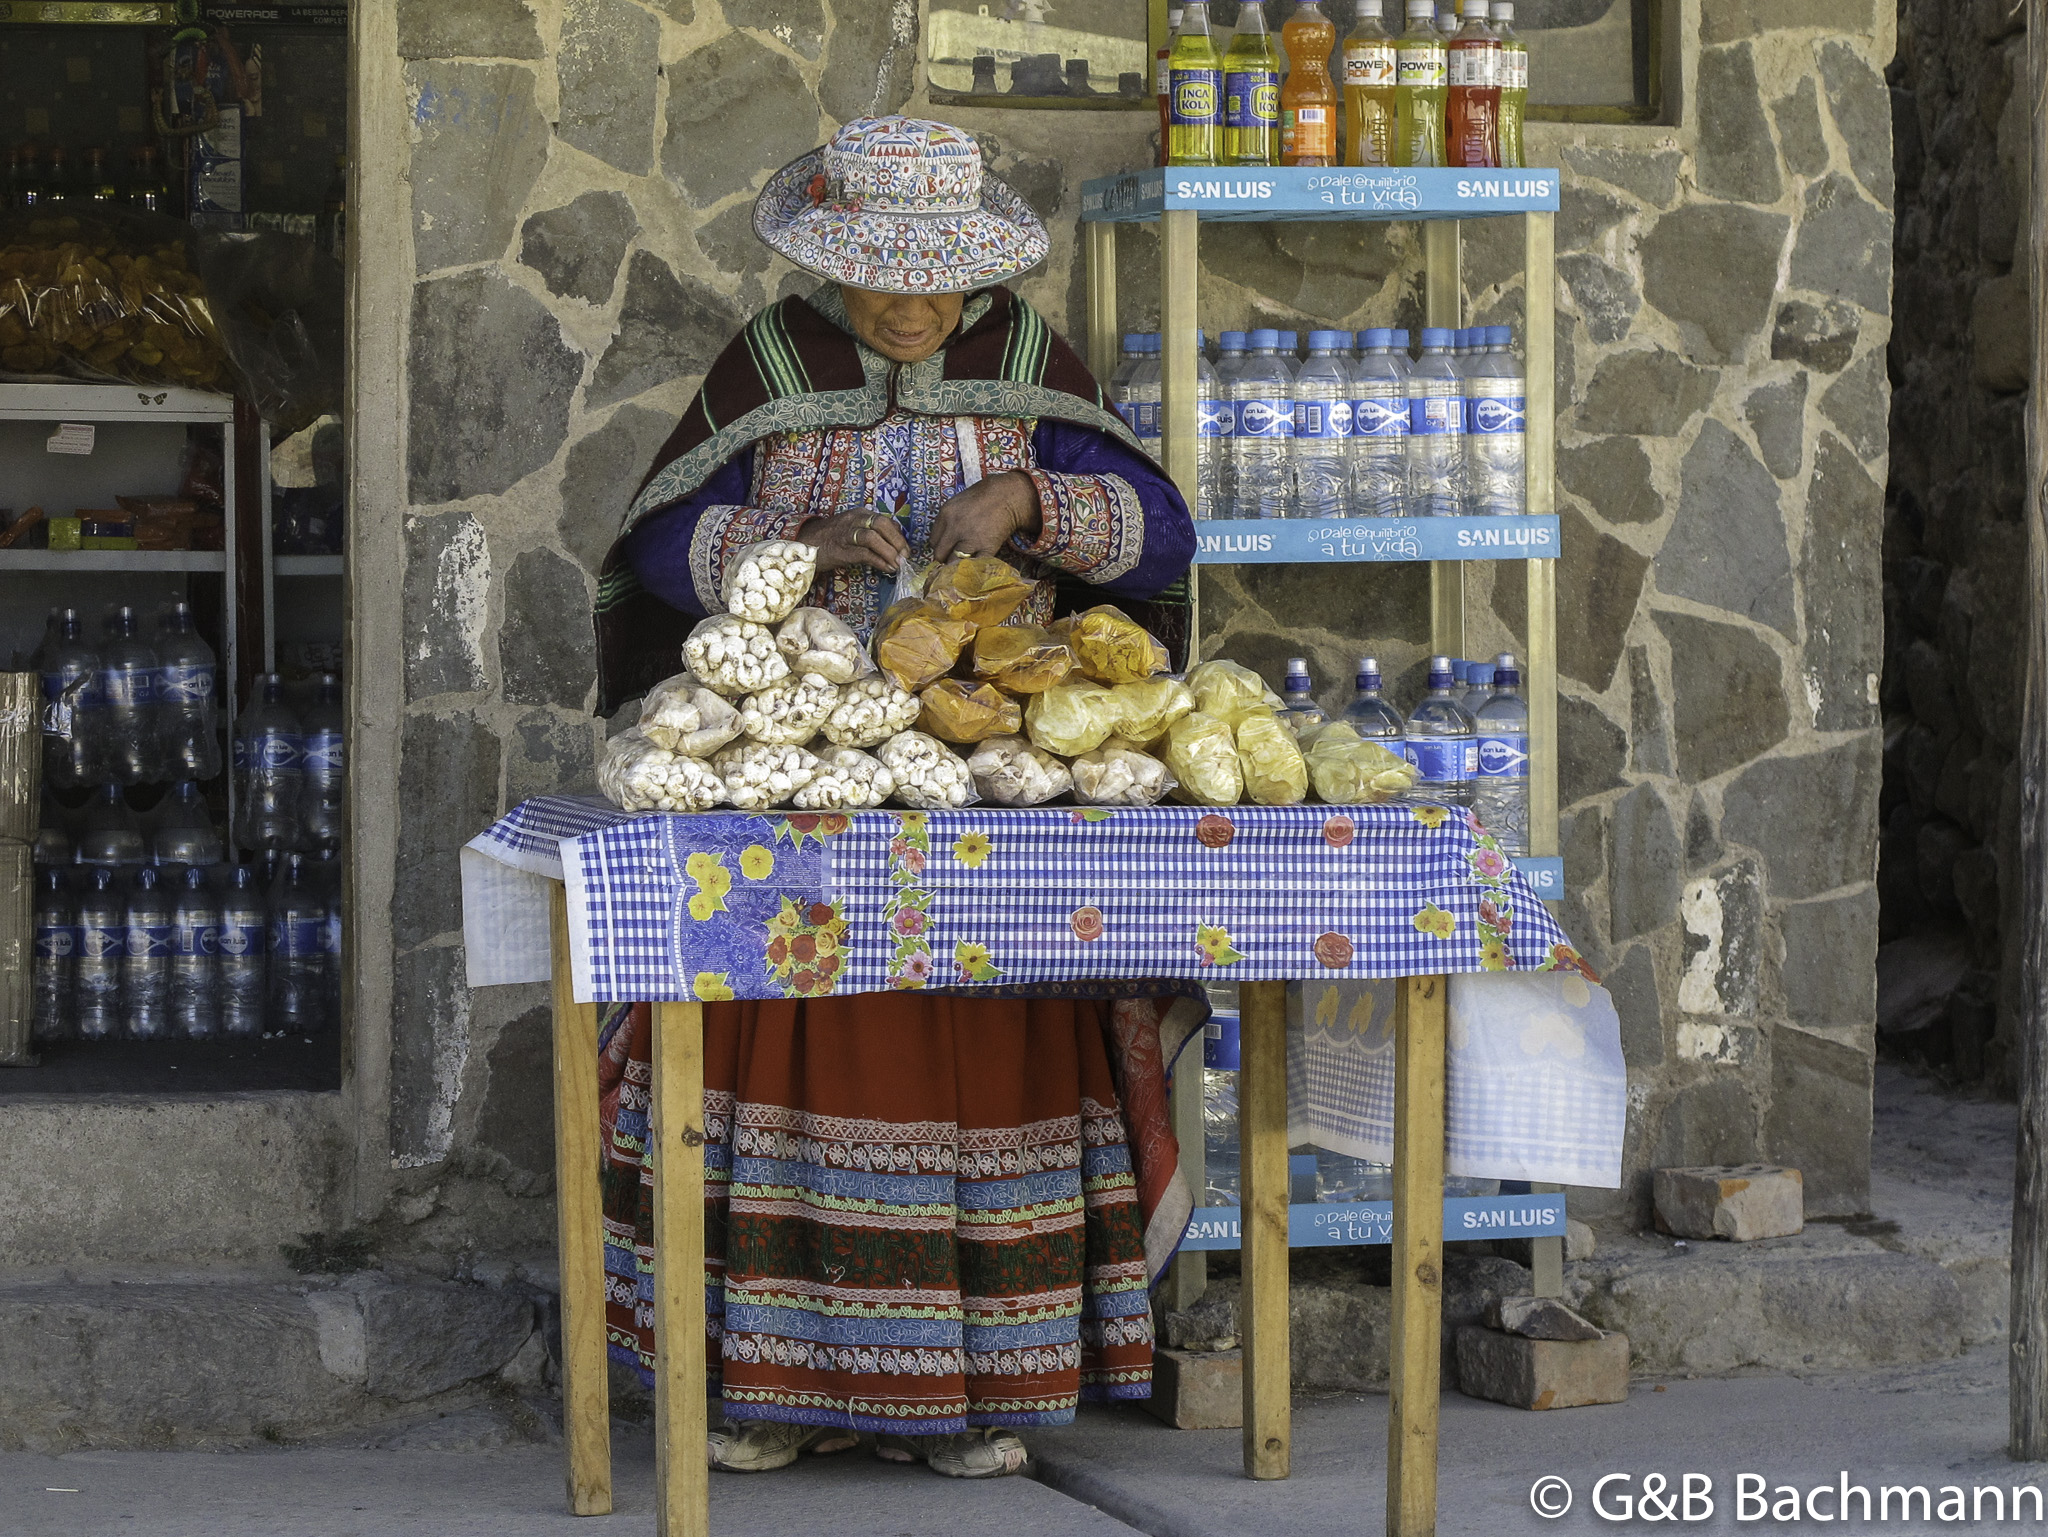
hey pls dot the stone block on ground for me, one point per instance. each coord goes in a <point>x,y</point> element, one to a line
<point>1198,1390</point>
<point>1542,1374</point>
<point>1579,1242</point>
<point>1538,1318</point>
<point>1743,1202</point>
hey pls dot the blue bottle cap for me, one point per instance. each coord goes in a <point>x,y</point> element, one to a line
<point>1201,339</point>
<point>1291,340</point>
<point>1264,338</point>
<point>1231,341</point>
<point>1378,336</point>
<point>1133,340</point>
<point>1403,340</point>
<point>1462,671</point>
<point>1332,340</point>
<point>1436,336</point>
<point>1151,341</point>
<point>1500,336</point>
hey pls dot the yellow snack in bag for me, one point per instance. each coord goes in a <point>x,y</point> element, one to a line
<point>917,642</point>
<point>1071,718</point>
<point>1201,751</point>
<point>1226,690</point>
<point>1111,646</point>
<point>1348,770</point>
<point>1274,771</point>
<point>956,710</point>
<point>1021,658</point>
<point>985,589</point>
<point>1145,710</point>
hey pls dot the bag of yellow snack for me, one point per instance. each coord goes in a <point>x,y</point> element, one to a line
<point>956,710</point>
<point>983,588</point>
<point>917,642</point>
<point>1274,772</point>
<point>1021,658</point>
<point>1145,710</point>
<point>1201,752</point>
<point>1111,646</point>
<point>1071,719</point>
<point>1226,690</point>
<point>1348,770</point>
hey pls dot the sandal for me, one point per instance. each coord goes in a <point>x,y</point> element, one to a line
<point>761,1446</point>
<point>990,1453</point>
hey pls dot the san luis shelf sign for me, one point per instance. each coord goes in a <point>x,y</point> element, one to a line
<point>1339,192</point>
<point>1360,1223</point>
<point>1306,541</point>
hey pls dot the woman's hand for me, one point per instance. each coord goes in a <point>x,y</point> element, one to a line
<point>986,516</point>
<point>856,539</point>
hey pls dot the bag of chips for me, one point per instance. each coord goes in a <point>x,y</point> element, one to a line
<point>1145,710</point>
<point>1118,774</point>
<point>984,589</point>
<point>1348,770</point>
<point>1071,718</point>
<point>1274,772</point>
<point>1201,752</point>
<point>1009,771</point>
<point>917,642</point>
<point>1021,658</point>
<point>684,716</point>
<point>956,710</point>
<point>1111,646</point>
<point>1226,690</point>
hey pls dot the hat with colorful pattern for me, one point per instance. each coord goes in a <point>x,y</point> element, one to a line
<point>900,205</point>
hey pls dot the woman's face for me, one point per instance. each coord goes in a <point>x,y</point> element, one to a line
<point>906,328</point>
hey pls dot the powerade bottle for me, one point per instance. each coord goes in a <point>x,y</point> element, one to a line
<point>1379,429</point>
<point>1369,89</point>
<point>146,960</point>
<point>1251,91</point>
<point>1514,83</point>
<point>128,674</point>
<point>1213,424</point>
<point>1442,740</point>
<point>324,735</point>
<point>55,944</point>
<point>1262,398</point>
<point>96,976</point>
<point>243,940</point>
<point>1496,426</point>
<point>187,723</point>
<point>195,960</point>
<point>74,706</point>
<point>1194,75</point>
<point>1420,83</point>
<point>1436,421</point>
<point>1500,792</point>
<point>1371,716</point>
<point>269,744</point>
<point>298,918</point>
<point>1322,429</point>
<point>1472,106</point>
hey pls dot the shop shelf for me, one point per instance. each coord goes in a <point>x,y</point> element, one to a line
<point>110,403</point>
<point>307,565</point>
<point>1314,541</point>
<point>113,560</point>
<point>1335,192</point>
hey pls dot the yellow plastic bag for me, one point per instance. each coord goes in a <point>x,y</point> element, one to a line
<point>984,589</point>
<point>956,710</point>
<point>1071,719</point>
<point>1021,658</point>
<point>917,642</point>
<point>1201,752</point>
<point>1274,772</point>
<point>1111,646</point>
<point>1348,770</point>
<point>1226,690</point>
<point>1145,710</point>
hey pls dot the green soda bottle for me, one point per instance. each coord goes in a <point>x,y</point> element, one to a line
<point>1421,83</point>
<point>1194,86</point>
<point>1514,83</point>
<point>1251,91</point>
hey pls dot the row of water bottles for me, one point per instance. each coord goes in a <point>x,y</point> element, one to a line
<point>290,769</point>
<point>128,707</point>
<point>1356,429</point>
<point>191,953</point>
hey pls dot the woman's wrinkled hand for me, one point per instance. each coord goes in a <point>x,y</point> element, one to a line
<point>986,516</point>
<point>857,539</point>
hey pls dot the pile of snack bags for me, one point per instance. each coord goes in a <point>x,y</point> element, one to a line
<point>956,703</point>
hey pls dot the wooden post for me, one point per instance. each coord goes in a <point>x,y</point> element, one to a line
<point>1418,1255</point>
<point>1443,302</point>
<point>1262,1150</point>
<point>1104,341</point>
<point>2028,1364</point>
<point>682,1475</point>
<point>579,1237</point>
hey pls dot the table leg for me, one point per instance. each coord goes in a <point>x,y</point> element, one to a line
<point>1417,1365</point>
<point>681,1414</point>
<point>579,1218</point>
<point>1262,1150</point>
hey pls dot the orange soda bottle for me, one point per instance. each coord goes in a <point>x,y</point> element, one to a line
<point>1472,114</point>
<point>1308,101</point>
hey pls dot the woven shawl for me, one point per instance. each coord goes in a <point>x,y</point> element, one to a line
<point>797,367</point>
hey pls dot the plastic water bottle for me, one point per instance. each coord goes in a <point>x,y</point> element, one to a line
<point>322,799</point>
<point>1379,429</point>
<point>1442,740</point>
<point>187,718</point>
<point>1436,438</point>
<point>1230,354</point>
<point>195,959</point>
<point>1302,714</point>
<point>1221,1149</point>
<point>1141,395</point>
<point>1322,428</point>
<point>270,746</point>
<point>1371,716</point>
<point>112,836</point>
<point>1500,792</point>
<point>74,705</point>
<point>1262,401</point>
<point>96,974</point>
<point>1477,678</point>
<point>1496,423</point>
<point>128,673</point>
<point>146,960</point>
<point>327,880</point>
<point>298,916</point>
<point>1214,422</point>
<point>55,945</point>
<point>185,834</point>
<point>1120,381</point>
<point>1341,1179</point>
<point>243,944</point>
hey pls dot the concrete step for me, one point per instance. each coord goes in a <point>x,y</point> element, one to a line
<point>196,1360</point>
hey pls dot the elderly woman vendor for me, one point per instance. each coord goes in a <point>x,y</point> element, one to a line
<point>928,1211</point>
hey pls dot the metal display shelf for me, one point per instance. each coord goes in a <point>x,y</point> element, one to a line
<point>147,561</point>
<point>1264,193</point>
<point>111,403</point>
<point>1313,541</point>
<point>306,565</point>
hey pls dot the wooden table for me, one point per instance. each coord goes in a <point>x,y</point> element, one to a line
<point>676,1133</point>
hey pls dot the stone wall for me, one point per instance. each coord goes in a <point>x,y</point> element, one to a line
<point>1954,546</point>
<point>580,182</point>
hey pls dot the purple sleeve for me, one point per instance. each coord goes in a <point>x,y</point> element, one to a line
<point>1109,514</point>
<point>658,549</point>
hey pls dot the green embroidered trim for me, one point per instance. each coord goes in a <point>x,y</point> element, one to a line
<point>782,370</point>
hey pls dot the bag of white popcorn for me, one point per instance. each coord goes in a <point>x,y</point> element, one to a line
<point>870,711</point>
<point>765,581</point>
<point>815,640</point>
<point>734,655</point>
<point>1009,771</point>
<point>636,773</point>
<point>847,780</point>
<point>758,776</point>
<point>929,774</point>
<point>684,716</point>
<point>788,713</point>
